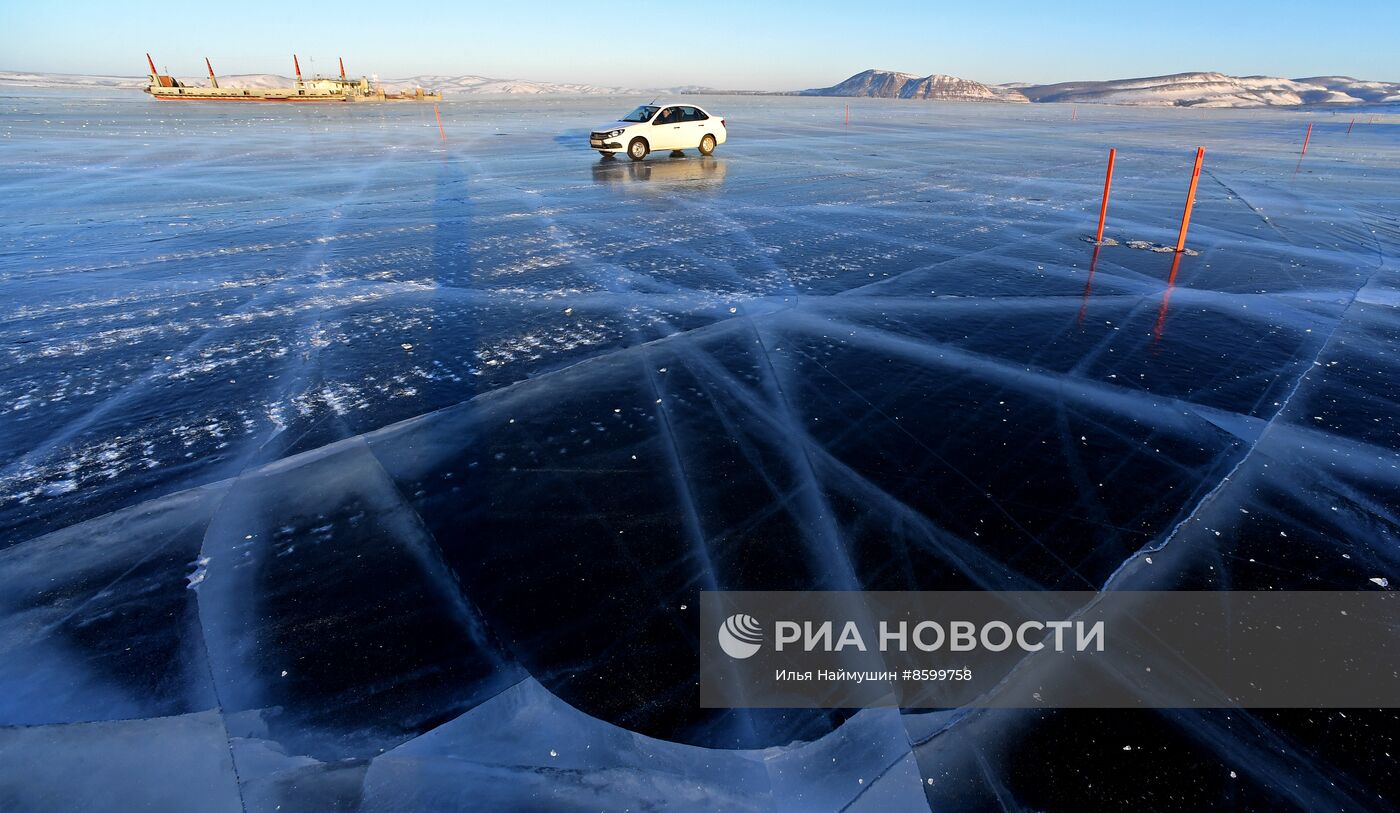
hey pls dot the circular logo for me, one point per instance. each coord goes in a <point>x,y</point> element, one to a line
<point>740,636</point>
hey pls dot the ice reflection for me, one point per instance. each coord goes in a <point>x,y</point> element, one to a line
<point>1161,322</point>
<point>1089,284</point>
<point>704,172</point>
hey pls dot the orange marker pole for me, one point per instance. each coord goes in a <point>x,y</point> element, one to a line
<point>1306,138</point>
<point>848,115</point>
<point>441,132</point>
<point>1103,209</point>
<point>1353,124</point>
<point>1190,200</point>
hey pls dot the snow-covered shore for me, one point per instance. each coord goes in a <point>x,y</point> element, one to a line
<point>1199,89</point>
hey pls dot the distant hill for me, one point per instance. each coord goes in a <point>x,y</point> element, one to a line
<point>1374,92</point>
<point>24,79</point>
<point>1216,90</point>
<point>1176,90</point>
<point>895,85</point>
<point>482,85</point>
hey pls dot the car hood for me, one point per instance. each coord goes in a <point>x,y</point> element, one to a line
<point>615,125</point>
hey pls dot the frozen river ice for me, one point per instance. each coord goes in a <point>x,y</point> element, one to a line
<point>342,467</point>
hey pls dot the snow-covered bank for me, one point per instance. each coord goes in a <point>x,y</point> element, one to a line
<point>1219,90</point>
<point>1176,90</point>
<point>455,85</point>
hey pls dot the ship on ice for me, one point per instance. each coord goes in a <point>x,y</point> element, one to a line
<point>166,88</point>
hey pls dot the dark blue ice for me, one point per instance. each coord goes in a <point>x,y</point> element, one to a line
<point>345,468</point>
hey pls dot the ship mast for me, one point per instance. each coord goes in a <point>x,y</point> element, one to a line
<point>342,66</point>
<point>159,79</point>
<point>213,80</point>
<point>296,64</point>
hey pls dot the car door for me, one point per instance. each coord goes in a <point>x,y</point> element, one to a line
<point>699,124</point>
<point>668,126</point>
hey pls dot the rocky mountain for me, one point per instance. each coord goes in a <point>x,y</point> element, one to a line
<point>875,83</point>
<point>951,88</point>
<point>1176,90</point>
<point>895,85</point>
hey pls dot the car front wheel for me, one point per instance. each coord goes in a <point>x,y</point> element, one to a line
<point>637,150</point>
<point>707,144</point>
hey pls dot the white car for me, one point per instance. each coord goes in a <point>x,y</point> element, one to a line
<point>653,127</point>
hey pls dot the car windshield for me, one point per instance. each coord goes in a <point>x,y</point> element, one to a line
<point>643,113</point>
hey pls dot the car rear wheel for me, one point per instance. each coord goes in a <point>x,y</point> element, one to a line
<point>707,144</point>
<point>637,150</point>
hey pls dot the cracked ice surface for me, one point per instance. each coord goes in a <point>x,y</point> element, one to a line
<point>344,469</point>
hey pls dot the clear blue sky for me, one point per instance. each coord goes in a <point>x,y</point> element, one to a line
<point>759,44</point>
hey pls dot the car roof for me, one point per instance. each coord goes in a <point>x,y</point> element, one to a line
<point>672,103</point>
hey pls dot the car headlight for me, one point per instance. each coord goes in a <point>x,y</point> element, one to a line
<point>614,133</point>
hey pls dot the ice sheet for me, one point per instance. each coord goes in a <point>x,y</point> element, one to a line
<point>368,444</point>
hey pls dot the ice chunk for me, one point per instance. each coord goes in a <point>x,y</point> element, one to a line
<point>525,749</point>
<point>96,622</point>
<point>157,764</point>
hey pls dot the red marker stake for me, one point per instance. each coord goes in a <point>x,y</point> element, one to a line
<point>848,115</point>
<point>1190,200</point>
<point>1306,138</point>
<point>1353,124</point>
<point>441,132</point>
<point>1103,209</point>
